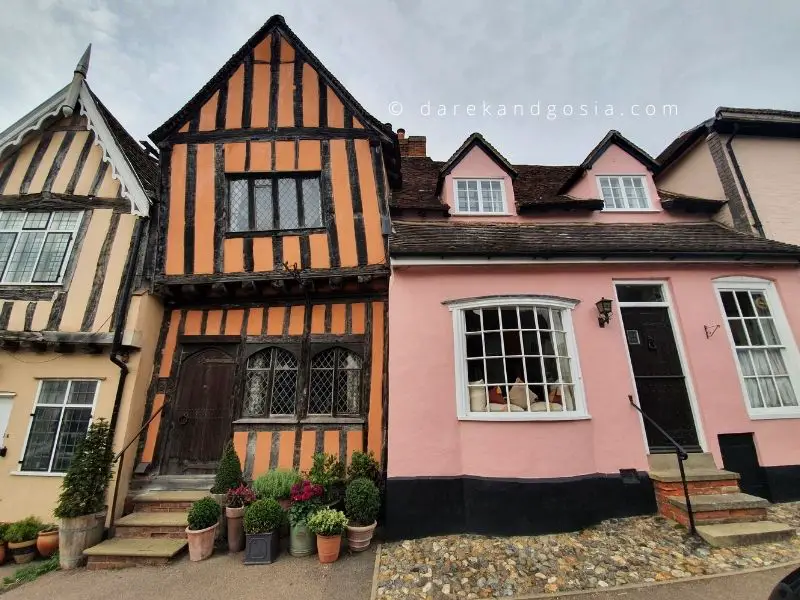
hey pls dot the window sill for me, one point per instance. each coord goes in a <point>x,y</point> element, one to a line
<point>483,214</point>
<point>316,420</point>
<point>20,284</point>
<point>275,232</point>
<point>500,417</point>
<point>37,474</point>
<point>630,210</point>
<point>766,416</point>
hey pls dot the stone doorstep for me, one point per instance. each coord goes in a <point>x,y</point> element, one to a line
<point>130,548</point>
<point>164,496</point>
<point>739,534</point>
<point>717,502</point>
<point>153,525</point>
<point>670,476</point>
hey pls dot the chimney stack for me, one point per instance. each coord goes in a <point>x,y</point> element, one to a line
<point>413,145</point>
<point>401,134</point>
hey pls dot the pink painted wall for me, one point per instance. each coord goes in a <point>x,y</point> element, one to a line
<point>426,438</point>
<point>614,161</point>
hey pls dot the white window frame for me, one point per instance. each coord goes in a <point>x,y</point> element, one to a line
<point>791,356</point>
<point>5,418</point>
<point>480,213</point>
<point>50,472</point>
<point>67,254</point>
<point>458,307</point>
<point>648,199</point>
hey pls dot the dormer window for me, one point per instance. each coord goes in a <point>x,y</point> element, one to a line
<point>624,192</point>
<point>480,197</point>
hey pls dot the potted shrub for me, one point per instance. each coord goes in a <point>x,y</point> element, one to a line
<point>328,524</point>
<point>47,541</point>
<point>329,472</point>
<point>203,521</point>
<point>3,529</point>
<point>277,484</point>
<point>236,501</point>
<point>229,475</point>
<point>262,519</point>
<point>362,501</point>
<point>82,502</point>
<point>306,500</point>
<point>363,464</point>
<point>21,538</point>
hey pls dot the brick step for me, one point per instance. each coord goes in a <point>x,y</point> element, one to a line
<point>117,553</point>
<point>166,500</point>
<point>740,534</point>
<point>715,508</point>
<point>695,475</point>
<point>152,524</point>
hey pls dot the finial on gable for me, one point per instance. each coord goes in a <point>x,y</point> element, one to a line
<point>79,76</point>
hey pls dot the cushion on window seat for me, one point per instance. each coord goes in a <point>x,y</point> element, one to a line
<point>477,396</point>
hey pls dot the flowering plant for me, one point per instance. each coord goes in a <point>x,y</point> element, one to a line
<point>306,500</point>
<point>240,496</point>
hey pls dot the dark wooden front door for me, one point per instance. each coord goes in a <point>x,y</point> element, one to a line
<point>660,381</point>
<point>200,422</point>
<point>739,455</point>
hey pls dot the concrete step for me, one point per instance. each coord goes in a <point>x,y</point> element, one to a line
<point>674,475</point>
<point>714,508</point>
<point>167,500</point>
<point>152,524</point>
<point>714,502</point>
<point>172,482</point>
<point>129,552</point>
<point>740,534</point>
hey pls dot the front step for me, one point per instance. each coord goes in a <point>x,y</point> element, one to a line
<point>167,500</point>
<point>717,508</point>
<point>153,524</point>
<point>172,482</point>
<point>740,534</point>
<point>117,553</point>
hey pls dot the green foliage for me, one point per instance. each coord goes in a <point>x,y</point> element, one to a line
<point>263,516</point>
<point>327,522</point>
<point>203,514</point>
<point>47,527</point>
<point>229,471</point>
<point>32,571</point>
<point>328,471</point>
<point>276,484</point>
<point>83,491</point>
<point>362,501</point>
<point>3,529</point>
<point>363,464</point>
<point>24,530</point>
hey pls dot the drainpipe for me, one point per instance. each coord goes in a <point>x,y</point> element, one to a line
<point>740,176</point>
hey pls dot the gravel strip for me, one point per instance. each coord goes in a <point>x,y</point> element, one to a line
<point>616,552</point>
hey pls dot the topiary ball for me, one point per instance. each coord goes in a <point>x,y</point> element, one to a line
<point>203,514</point>
<point>263,516</point>
<point>362,500</point>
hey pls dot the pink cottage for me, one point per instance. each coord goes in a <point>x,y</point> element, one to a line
<point>532,309</point>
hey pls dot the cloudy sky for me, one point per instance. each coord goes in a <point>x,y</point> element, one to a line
<point>410,62</point>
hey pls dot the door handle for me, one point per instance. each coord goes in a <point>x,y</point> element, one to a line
<point>651,343</point>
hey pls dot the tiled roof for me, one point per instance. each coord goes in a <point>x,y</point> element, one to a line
<point>683,240</point>
<point>673,200</point>
<point>420,177</point>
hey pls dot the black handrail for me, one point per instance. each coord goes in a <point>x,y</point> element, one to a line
<point>121,455</point>
<point>682,455</point>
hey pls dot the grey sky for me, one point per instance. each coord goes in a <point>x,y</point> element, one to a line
<point>150,56</point>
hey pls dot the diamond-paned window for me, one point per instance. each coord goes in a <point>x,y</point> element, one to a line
<point>270,385</point>
<point>335,387</point>
<point>274,203</point>
<point>60,421</point>
<point>35,246</point>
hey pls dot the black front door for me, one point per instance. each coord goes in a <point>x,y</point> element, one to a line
<point>200,420</point>
<point>660,381</point>
<point>739,455</point>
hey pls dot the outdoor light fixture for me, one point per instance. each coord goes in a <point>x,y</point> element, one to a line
<point>604,309</point>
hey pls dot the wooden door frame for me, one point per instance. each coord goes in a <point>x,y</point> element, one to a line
<point>194,346</point>
<point>676,334</point>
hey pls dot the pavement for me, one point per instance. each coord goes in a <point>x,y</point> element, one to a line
<point>350,578</point>
<point>222,576</point>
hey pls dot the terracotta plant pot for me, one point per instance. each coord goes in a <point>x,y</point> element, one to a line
<point>23,552</point>
<point>358,538</point>
<point>328,547</point>
<point>222,530</point>
<point>235,528</point>
<point>75,535</point>
<point>201,542</point>
<point>301,540</point>
<point>47,543</point>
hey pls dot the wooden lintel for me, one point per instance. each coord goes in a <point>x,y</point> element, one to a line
<point>335,283</point>
<point>219,289</point>
<point>189,290</point>
<point>364,278</point>
<point>248,288</point>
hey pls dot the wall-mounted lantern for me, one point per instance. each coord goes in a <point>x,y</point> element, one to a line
<point>604,310</point>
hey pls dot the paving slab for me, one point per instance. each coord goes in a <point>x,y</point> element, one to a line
<point>139,547</point>
<point>154,519</point>
<point>709,502</point>
<point>170,496</point>
<point>737,534</point>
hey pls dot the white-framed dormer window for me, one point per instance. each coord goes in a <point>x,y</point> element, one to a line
<point>765,351</point>
<point>35,246</point>
<point>516,359</point>
<point>480,196</point>
<point>624,192</point>
<point>60,420</point>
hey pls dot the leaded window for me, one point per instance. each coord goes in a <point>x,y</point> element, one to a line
<point>274,203</point>
<point>270,385</point>
<point>35,246</point>
<point>335,383</point>
<point>59,422</point>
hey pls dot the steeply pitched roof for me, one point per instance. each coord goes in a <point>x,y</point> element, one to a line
<point>418,192</point>
<point>477,140</point>
<point>276,22</point>
<point>568,240</point>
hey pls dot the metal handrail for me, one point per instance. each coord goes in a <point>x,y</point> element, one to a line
<point>120,455</point>
<point>682,455</point>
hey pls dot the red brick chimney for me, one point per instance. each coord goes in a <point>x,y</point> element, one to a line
<point>413,145</point>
